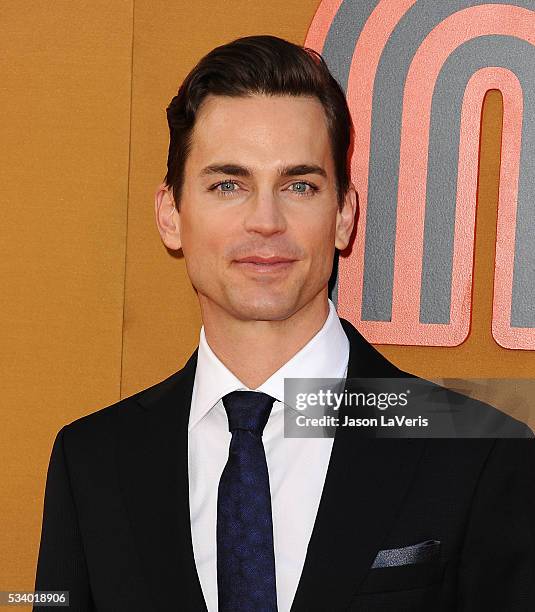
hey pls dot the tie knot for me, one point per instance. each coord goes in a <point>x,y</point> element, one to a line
<point>248,410</point>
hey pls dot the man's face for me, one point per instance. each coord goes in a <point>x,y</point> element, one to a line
<point>258,219</point>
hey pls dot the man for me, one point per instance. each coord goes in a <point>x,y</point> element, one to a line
<point>187,495</point>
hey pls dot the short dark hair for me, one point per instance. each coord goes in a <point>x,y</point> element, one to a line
<point>264,65</point>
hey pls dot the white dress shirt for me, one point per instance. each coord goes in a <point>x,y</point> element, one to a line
<point>296,466</point>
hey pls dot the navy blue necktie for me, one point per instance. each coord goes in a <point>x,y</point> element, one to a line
<point>245,557</point>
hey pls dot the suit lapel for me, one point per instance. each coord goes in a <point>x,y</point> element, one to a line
<point>153,467</point>
<point>365,484</point>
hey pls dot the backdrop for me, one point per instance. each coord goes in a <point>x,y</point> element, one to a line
<point>93,307</point>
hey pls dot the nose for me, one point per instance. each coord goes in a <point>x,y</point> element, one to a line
<point>264,214</point>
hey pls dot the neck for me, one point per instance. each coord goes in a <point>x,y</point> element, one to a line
<point>254,350</point>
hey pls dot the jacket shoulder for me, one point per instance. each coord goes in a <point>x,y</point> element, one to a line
<point>471,417</point>
<point>468,417</point>
<point>131,406</point>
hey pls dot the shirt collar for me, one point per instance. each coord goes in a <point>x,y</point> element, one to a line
<point>324,356</point>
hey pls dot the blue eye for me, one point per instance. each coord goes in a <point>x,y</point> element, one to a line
<point>302,188</point>
<point>227,186</point>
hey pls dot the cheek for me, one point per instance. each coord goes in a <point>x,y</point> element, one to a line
<point>321,249</point>
<point>203,243</point>
<point>321,235</point>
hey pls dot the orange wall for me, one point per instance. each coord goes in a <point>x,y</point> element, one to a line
<point>94,308</point>
<point>65,100</point>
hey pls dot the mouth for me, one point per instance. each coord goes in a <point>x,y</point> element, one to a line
<point>264,265</point>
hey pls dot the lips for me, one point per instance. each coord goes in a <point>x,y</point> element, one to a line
<point>264,265</point>
<point>264,260</point>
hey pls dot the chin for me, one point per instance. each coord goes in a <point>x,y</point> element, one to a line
<point>263,308</point>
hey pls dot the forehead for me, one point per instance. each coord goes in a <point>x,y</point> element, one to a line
<point>262,130</point>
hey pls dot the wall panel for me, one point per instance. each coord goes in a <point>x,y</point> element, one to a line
<point>64,130</point>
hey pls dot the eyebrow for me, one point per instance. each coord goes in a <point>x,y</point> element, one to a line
<point>285,171</point>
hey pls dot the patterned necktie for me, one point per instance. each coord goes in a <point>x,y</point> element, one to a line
<point>245,557</point>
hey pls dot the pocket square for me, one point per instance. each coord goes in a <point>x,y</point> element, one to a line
<point>417,553</point>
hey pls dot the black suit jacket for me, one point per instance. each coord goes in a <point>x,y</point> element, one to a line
<point>116,528</point>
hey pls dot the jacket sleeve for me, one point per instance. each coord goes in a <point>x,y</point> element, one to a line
<point>497,568</point>
<point>61,565</point>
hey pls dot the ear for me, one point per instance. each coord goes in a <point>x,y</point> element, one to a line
<point>167,217</point>
<point>346,217</point>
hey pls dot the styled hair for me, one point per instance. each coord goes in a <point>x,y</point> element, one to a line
<point>264,65</point>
